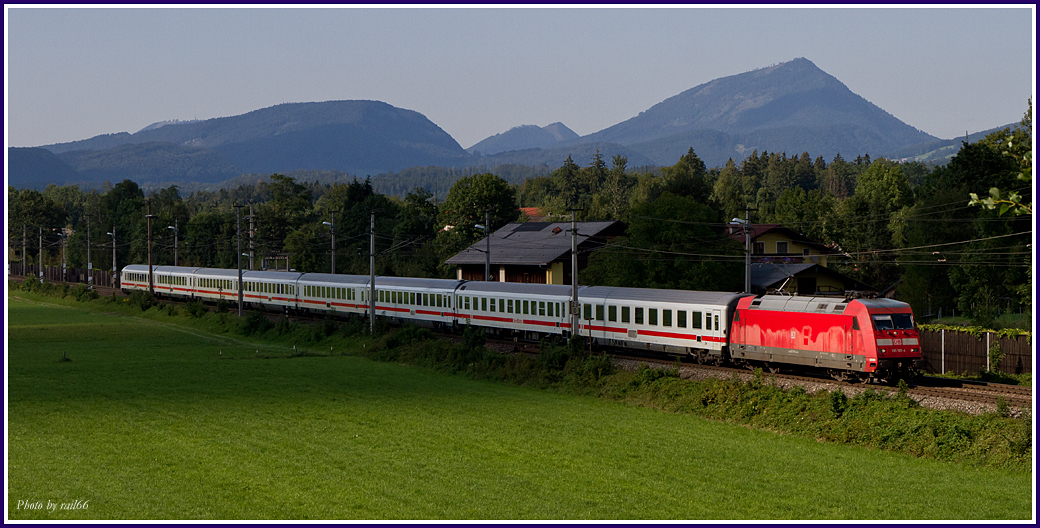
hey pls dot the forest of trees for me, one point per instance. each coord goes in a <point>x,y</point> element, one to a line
<point>902,224</point>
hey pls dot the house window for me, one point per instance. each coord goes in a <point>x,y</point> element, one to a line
<point>781,248</point>
<point>806,252</point>
<point>758,248</point>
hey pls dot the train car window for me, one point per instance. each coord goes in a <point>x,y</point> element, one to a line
<point>695,320</point>
<point>652,316</point>
<point>502,305</point>
<point>599,312</point>
<point>526,307</point>
<point>483,304</point>
<point>492,305</point>
<point>639,315</point>
<point>509,306</point>
<point>716,323</point>
<point>666,317</point>
<point>541,308</point>
<point>626,314</point>
<point>466,299</point>
<point>587,311</point>
<point>612,313</point>
<point>680,318</point>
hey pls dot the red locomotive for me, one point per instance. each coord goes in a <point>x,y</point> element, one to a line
<point>864,339</point>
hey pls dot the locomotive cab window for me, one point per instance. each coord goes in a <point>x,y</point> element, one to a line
<point>896,321</point>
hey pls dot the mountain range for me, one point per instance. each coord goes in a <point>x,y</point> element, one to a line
<point>792,107</point>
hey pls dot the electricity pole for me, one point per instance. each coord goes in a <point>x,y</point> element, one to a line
<point>238,214</point>
<point>176,231</point>
<point>150,216</point>
<point>90,265</point>
<point>332,229</point>
<point>372,276</point>
<point>64,275</point>
<point>114,272</point>
<point>574,275</point>
<point>252,229</point>
<point>487,236</point>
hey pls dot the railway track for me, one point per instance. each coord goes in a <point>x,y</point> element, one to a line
<point>926,387</point>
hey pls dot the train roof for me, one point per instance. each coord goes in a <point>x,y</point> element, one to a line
<point>408,282</point>
<point>518,288</point>
<point>270,275</point>
<point>218,272</point>
<point>328,278</point>
<point>652,295</point>
<point>783,303</point>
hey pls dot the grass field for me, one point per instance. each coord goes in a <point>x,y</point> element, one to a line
<point>152,420</point>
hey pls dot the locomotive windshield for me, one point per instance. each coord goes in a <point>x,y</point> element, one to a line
<point>895,321</point>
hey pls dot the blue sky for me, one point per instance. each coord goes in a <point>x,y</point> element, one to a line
<point>75,73</point>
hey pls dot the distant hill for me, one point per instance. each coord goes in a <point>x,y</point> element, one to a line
<point>150,163</point>
<point>793,107</point>
<point>524,137</point>
<point>941,151</point>
<point>581,154</point>
<point>35,168</point>
<point>352,136</point>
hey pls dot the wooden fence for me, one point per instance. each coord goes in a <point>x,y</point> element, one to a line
<point>54,274</point>
<point>959,352</point>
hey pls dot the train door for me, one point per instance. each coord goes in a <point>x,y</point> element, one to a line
<point>716,325</point>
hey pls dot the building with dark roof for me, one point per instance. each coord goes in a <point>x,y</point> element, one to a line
<point>801,279</point>
<point>776,243</point>
<point>533,252</point>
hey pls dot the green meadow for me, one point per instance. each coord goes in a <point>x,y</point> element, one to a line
<point>152,417</point>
